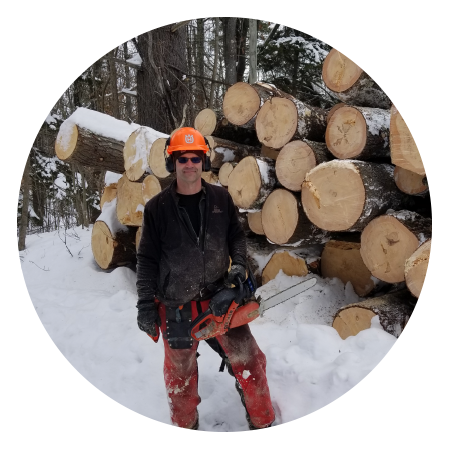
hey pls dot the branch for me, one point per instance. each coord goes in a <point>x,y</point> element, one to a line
<point>44,269</point>
<point>188,75</point>
<point>179,25</point>
<point>269,38</point>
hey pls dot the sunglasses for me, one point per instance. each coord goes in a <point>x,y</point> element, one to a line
<point>194,159</point>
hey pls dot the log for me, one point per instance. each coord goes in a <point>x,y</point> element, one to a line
<point>209,124</point>
<point>130,202</point>
<point>416,267</point>
<point>156,159</point>
<point>404,151</point>
<point>350,83</point>
<point>389,240</point>
<point>112,243</point>
<point>89,149</point>
<point>393,311</point>
<point>151,186</point>
<point>343,260</point>
<point>241,103</point>
<point>138,237</point>
<point>409,182</point>
<point>284,221</point>
<point>225,171</point>
<point>223,151</point>
<point>136,150</point>
<point>251,182</point>
<point>210,177</point>
<point>358,133</point>
<point>283,119</point>
<point>287,261</point>
<point>333,109</point>
<point>109,192</point>
<point>345,195</point>
<point>255,222</point>
<point>269,152</point>
<point>296,159</point>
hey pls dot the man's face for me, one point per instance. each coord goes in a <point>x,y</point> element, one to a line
<point>188,172</point>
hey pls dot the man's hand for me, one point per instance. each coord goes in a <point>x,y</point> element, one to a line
<point>148,318</point>
<point>236,273</point>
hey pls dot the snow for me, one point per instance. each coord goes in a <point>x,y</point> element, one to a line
<point>144,140</point>
<point>228,155</point>
<point>135,59</point>
<point>319,53</point>
<point>129,91</point>
<point>109,216</point>
<point>90,315</point>
<point>263,170</point>
<point>112,178</point>
<point>100,124</point>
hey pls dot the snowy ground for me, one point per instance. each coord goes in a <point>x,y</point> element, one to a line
<point>91,316</point>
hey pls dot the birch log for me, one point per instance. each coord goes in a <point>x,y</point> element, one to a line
<point>358,133</point>
<point>389,240</point>
<point>409,182</point>
<point>350,83</point>
<point>223,151</point>
<point>346,195</point>
<point>416,267</point>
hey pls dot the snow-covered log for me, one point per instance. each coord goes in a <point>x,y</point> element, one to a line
<point>393,311</point>
<point>389,240</point>
<point>251,182</point>
<point>350,83</point>
<point>209,124</point>
<point>296,159</point>
<point>283,119</point>
<point>223,151</point>
<point>136,151</point>
<point>93,139</point>
<point>409,182</point>
<point>360,133</point>
<point>345,195</point>
<point>342,259</point>
<point>416,267</point>
<point>130,202</point>
<point>113,244</point>
<point>284,221</point>
<point>404,151</point>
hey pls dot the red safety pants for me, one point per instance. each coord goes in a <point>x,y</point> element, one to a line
<point>247,361</point>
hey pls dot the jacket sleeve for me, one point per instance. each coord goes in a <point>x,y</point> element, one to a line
<point>237,245</point>
<point>148,256</point>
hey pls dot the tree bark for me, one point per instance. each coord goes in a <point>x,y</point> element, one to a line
<point>26,182</point>
<point>215,65</point>
<point>228,151</point>
<point>113,74</point>
<point>389,240</point>
<point>229,45</point>
<point>253,75</point>
<point>351,84</point>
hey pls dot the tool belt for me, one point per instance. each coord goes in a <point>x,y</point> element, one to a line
<point>176,329</point>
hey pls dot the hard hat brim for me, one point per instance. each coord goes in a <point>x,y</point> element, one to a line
<point>179,148</point>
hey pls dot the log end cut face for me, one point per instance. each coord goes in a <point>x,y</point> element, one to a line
<point>150,187</point>
<point>224,173</point>
<point>350,321</point>
<point>66,141</point>
<point>346,133</point>
<point>290,264</point>
<point>416,267</point>
<point>385,246</point>
<point>280,216</point>
<point>339,72</point>
<point>255,222</point>
<point>206,121</point>
<point>138,238</point>
<point>404,151</point>
<point>333,195</point>
<point>240,103</point>
<point>109,194</point>
<point>294,161</point>
<point>244,183</point>
<point>409,182</point>
<point>103,244</point>
<point>156,158</point>
<point>276,122</point>
<point>135,153</point>
<point>130,204</point>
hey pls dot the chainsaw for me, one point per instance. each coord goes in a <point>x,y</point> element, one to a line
<point>228,310</point>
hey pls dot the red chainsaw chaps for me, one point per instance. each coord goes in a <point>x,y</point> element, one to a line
<point>248,363</point>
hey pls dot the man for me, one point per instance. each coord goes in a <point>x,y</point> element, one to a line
<point>190,231</point>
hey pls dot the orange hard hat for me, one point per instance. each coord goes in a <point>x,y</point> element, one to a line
<point>186,139</point>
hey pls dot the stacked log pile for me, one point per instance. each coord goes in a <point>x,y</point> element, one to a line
<point>333,192</point>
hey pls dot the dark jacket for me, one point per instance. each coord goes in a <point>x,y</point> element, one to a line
<point>174,265</point>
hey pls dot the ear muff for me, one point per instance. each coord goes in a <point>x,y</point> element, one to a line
<point>170,167</point>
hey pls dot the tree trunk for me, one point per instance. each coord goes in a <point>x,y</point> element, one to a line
<point>346,195</point>
<point>358,133</point>
<point>393,311</point>
<point>296,159</point>
<point>80,145</point>
<point>409,182</point>
<point>113,74</point>
<point>285,223</point>
<point>112,243</point>
<point>351,84</point>
<point>228,151</point>
<point>251,182</point>
<point>241,41</point>
<point>229,46</point>
<point>389,240</point>
<point>404,151</point>
<point>416,267</point>
<point>128,108</point>
<point>215,64</point>
<point>343,260</point>
<point>253,74</point>
<point>26,184</point>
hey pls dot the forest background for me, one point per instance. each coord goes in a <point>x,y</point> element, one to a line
<point>54,398</point>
